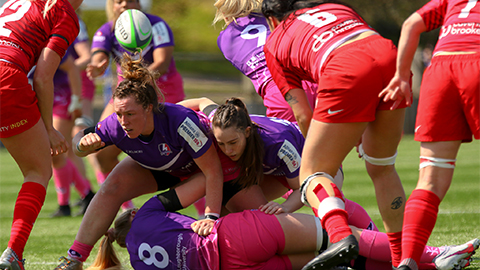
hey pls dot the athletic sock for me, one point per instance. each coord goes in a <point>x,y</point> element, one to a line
<point>101,177</point>
<point>358,217</point>
<point>82,185</point>
<point>332,213</point>
<point>79,251</point>
<point>29,202</point>
<point>420,217</point>
<point>62,179</point>
<point>395,240</point>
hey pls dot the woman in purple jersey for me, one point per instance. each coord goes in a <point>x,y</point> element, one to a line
<point>241,42</point>
<point>158,55</point>
<point>165,143</point>
<point>157,238</point>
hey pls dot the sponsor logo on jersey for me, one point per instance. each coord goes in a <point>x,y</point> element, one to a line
<point>334,112</point>
<point>130,152</point>
<point>289,154</point>
<point>14,125</point>
<point>192,134</point>
<point>98,37</point>
<point>164,149</point>
<point>160,34</point>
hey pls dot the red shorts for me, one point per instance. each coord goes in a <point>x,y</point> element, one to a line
<point>351,79</point>
<point>252,240</point>
<point>18,102</point>
<point>449,104</point>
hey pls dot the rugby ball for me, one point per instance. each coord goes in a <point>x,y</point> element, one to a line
<point>133,30</point>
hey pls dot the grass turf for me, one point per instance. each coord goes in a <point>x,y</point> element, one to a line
<point>458,220</point>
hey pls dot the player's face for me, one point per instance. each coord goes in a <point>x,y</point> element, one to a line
<point>133,117</point>
<point>120,6</point>
<point>231,141</point>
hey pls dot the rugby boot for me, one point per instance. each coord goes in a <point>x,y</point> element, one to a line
<point>338,253</point>
<point>456,257</point>
<point>10,261</point>
<point>69,264</point>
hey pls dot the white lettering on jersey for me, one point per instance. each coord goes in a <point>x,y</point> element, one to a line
<point>160,34</point>
<point>260,33</point>
<point>152,257</point>
<point>192,134</point>
<point>288,153</point>
<point>24,7</point>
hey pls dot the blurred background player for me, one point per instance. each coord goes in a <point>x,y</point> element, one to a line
<point>158,55</point>
<point>331,45</point>
<point>448,111</point>
<point>242,41</point>
<point>26,125</point>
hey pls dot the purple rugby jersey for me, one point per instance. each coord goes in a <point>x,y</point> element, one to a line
<point>179,137</point>
<point>164,240</point>
<point>283,144</point>
<point>242,44</point>
<point>104,39</point>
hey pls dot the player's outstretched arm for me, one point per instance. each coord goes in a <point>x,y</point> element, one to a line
<point>399,87</point>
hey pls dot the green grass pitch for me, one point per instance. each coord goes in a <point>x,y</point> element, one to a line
<point>458,220</point>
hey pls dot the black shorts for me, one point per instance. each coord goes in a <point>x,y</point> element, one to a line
<point>164,179</point>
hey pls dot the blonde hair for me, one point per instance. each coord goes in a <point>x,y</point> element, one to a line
<point>139,82</point>
<point>230,10</point>
<point>48,5</point>
<point>107,257</point>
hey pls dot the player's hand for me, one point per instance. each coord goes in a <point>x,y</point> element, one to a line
<point>203,227</point>
<point>90,142</point>
<point>58,144</point>
<point>397,90</point>
<point>272,208</point>
<point>94,71</point>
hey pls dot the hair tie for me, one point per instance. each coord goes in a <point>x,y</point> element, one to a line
<point>110,234</point>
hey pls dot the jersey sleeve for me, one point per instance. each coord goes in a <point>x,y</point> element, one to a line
<point>192,136</point>
<point>107,129</point>
<point>64,31</point>
<point>102,38</point>
<point>433,13</point>
<point>285,80</point>
<point>162,35</point>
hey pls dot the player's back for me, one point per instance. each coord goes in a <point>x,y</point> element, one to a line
<point>26,32</point>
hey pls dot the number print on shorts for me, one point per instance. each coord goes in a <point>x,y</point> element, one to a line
<point>145,248</point>
<point>466,10</point>
<point>24,7</point>
<point>261,33</point>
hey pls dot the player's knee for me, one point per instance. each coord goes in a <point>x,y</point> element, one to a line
<point>377,161</point>
<point>308,180</point>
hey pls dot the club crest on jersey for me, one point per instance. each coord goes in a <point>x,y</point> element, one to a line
<point>192,134</point>
<point>164,149</point>
<point>289,154</point>
<point>99,126</point>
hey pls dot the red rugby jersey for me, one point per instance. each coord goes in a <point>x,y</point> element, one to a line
<point>460,22</point>
<point>298,47</point>
<point>24,32</point>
